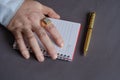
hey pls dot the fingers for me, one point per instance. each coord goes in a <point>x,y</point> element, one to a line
<point>46,42</point>
<point>21,44</point>
<point>55,34</point>
<point>41,33</point>
<point>34,44</point>
<point>29,16</point>
<point>50,12</point>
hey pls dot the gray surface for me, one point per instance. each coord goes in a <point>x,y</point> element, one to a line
<point>102,61</point>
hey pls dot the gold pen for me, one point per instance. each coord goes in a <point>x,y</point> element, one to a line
<point>89,32</point>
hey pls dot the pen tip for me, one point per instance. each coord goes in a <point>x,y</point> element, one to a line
<point>85,53</point>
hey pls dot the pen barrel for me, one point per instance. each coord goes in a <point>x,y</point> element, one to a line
<point>87,40</point>
<point>89,32</point>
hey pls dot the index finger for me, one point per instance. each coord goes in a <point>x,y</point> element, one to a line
<point>55,34</point>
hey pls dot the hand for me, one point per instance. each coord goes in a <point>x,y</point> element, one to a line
<point>26,22</point>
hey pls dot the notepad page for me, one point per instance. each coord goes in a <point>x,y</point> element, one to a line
<point>69,32</point>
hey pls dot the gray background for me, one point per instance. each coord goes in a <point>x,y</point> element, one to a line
<point>102,61</point>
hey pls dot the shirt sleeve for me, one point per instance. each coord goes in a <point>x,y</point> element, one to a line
<point>8,9</point>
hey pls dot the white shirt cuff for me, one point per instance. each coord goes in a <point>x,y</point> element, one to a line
<point>8,9</point>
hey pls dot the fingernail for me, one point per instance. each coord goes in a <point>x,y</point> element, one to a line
<point>58,16</point>
<point>62,44</point>
<point>40,59</point>
<point>27,56</point>
<point>54,57</point>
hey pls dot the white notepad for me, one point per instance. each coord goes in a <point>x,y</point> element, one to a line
<point>69,32</point>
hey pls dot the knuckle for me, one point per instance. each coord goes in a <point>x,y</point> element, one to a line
<point>28,33</point>
<point>37,28</point>
<point>24,51</point>
<point>18,23</point>
<point>51,27</point>
<point>33,16</point>
<point>18,38</point>
<point>27,22</point>
<point>30,36</point>
<point>43,34</point>
<point>27,25</point>
<point>50,9</point>
<point>15,28</point>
